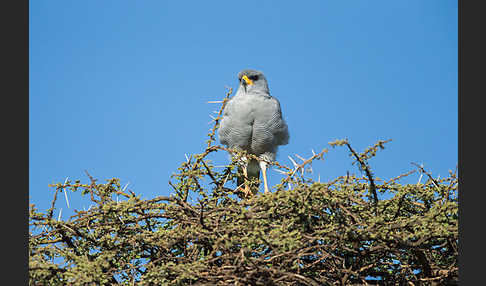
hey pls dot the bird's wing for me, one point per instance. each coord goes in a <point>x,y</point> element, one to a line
<point>236,125</point>
<point>269,128</point>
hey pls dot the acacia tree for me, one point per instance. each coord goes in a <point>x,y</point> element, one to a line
<point>305,233</point>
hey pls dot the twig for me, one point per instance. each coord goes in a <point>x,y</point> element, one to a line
<point>364,166</point>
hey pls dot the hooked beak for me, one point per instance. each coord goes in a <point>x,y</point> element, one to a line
<point>246,80</point>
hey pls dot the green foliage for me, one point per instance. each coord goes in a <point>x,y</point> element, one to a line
<point>332,233</point>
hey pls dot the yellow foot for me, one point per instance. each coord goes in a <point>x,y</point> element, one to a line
<point>247,191</point>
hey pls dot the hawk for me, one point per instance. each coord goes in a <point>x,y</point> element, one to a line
<point>252,121</point>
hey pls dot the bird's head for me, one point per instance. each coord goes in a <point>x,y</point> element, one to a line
<point>253,81</point>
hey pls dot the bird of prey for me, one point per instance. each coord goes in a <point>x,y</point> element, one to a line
<point>252,121</point>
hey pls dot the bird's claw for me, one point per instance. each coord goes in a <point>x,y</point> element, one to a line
<point>246,190</point>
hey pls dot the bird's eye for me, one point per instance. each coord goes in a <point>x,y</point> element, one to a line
<point>254,77</point>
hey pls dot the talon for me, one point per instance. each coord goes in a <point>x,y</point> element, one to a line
<point>247,191</point>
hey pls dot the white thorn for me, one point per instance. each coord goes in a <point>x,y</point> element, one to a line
<point>319,178</point>
<point>290,187</point>
<point>212,117</point>
<point>66,196</point>
<point>65,193</point>
<point>215,101</point>
<point>294,171</point>
<point>124,188</point>
<point>296,155</point>
<point>187,158</point>
<point>293,162</point>
<point>280,171</point>
<point>225,180</point>
<point>313,153</point>
<point>420,178</point>
<point>59,216</point>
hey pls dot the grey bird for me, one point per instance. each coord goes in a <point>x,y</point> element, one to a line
<point>252,121</point>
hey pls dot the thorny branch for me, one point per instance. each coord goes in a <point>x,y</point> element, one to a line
<point>314,234</point>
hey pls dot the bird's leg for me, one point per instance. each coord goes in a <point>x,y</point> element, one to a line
<point>263,166</point>
<point>246,190</point>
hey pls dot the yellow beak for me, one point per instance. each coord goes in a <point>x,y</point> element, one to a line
<point>247,80</point>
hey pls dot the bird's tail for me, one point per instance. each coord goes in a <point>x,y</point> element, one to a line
<point>253,170</point>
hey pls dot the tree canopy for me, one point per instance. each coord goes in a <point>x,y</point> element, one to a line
<point>340,232</point>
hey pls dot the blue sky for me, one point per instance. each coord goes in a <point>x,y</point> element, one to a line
<point>120,88</point>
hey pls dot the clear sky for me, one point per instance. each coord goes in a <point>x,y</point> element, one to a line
<point>120,88</point>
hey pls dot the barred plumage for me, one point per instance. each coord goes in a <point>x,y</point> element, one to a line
<point>252,121</point>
